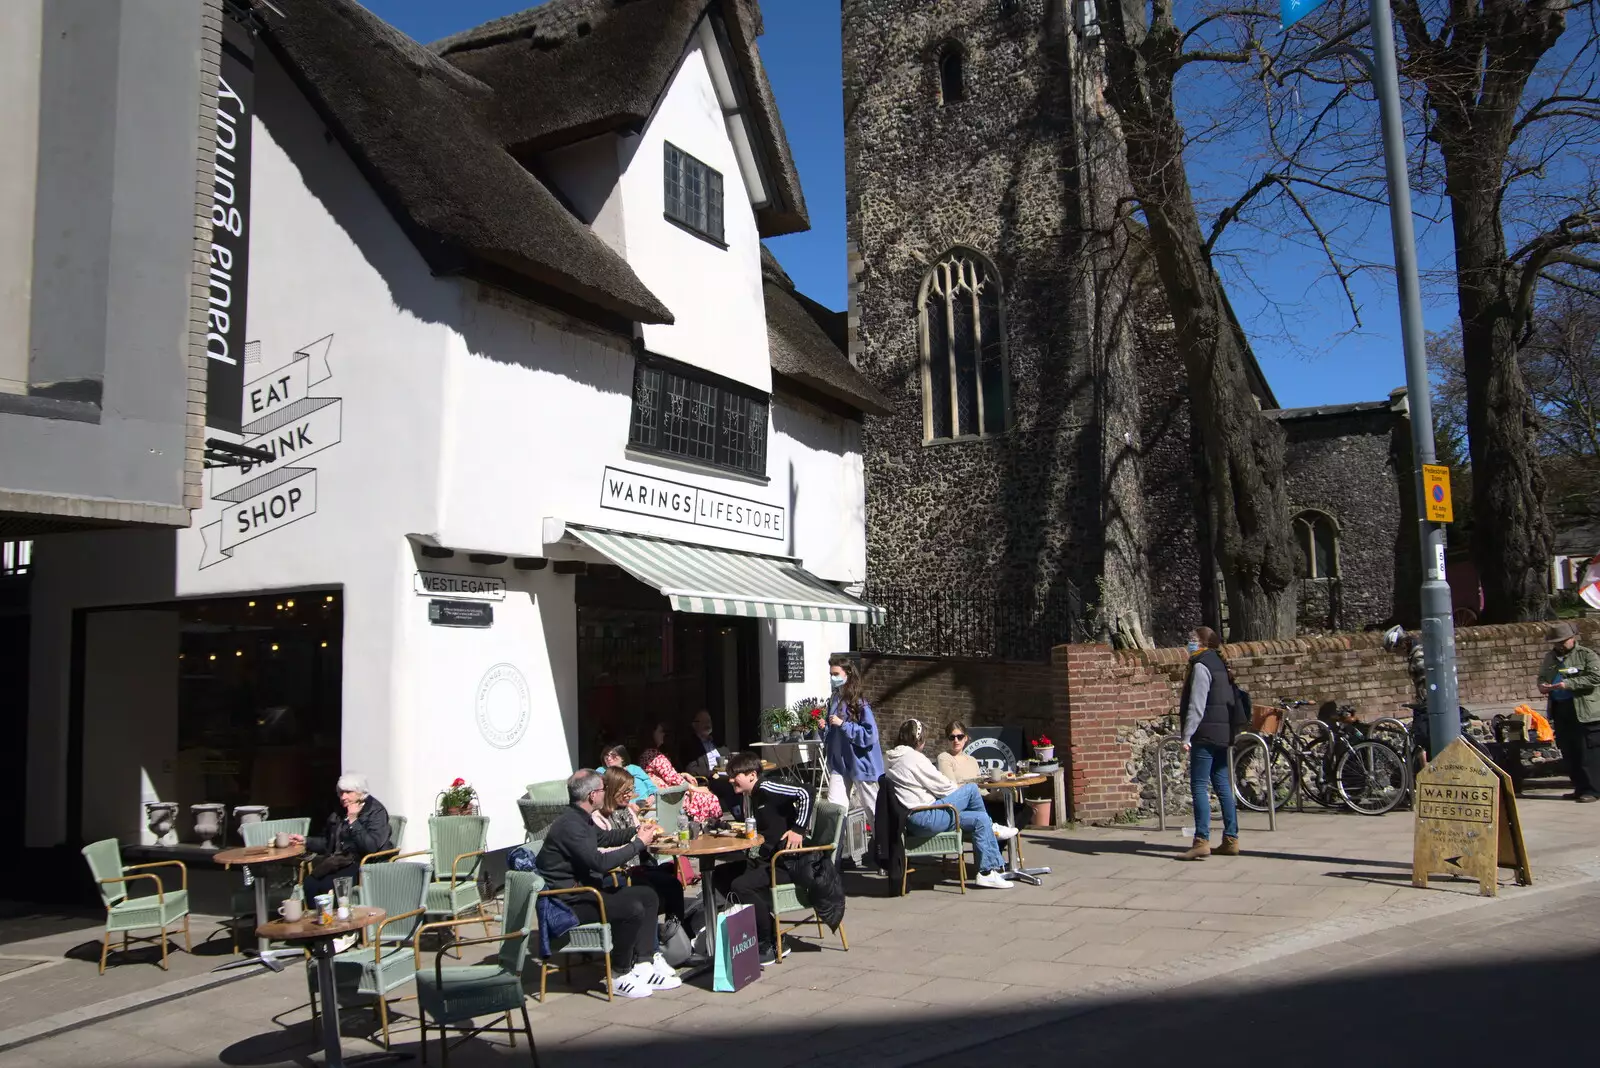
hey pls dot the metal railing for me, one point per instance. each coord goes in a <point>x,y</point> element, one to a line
<point>1161,778</point>
<point>998,624</point>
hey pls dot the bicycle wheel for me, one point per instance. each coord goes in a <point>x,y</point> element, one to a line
<point>1315,741</point>
<point>1250,759</point>
<point>1391,732</point>
<point>1371,778</point>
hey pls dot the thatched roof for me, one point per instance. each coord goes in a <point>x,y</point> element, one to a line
<point>417,127</point>
<point>806,342</point>
<point>570,69</point>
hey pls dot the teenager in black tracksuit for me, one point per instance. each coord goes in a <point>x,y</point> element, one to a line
<point>782,813</point>
<point>1207,733</point>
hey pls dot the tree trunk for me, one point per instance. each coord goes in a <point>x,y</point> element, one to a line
<point>1243,450</point>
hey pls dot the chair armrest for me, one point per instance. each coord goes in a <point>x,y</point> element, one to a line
<point>377,946</point>
<point>454,864</point>
<point>415,853</point>
<point>791,852</point>
<point>438,955</point>
<point>955,817</point>
<point>599,899</point>
<point>161,892</point>
<point>416,937</point>
<point>180,865</point>
<point>383,853</point>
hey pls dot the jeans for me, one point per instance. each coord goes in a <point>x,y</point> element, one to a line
<point>1208,763</point>
<point>974,819</point>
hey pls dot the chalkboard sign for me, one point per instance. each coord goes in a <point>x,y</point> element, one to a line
<point>791,661</point>
<point>460,614</point>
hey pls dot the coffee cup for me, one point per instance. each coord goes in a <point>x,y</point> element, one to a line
<point>281,839</point>
<point>292,910</point>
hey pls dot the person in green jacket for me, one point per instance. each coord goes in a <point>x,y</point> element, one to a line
<point>1570,678</point>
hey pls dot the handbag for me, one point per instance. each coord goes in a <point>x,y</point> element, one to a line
<point>673,941</point>
<point>738,962</point>
<point>333,862</point>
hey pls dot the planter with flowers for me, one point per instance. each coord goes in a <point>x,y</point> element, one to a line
<point>810,717</point>
<point>1043,748</point>
<point>458,799</point>
<point>778,723</point>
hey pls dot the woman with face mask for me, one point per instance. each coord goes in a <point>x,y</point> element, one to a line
<point>1207,733</point>
<point>850,742</point>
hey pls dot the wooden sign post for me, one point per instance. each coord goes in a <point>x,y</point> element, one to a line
<point>1467,821</point>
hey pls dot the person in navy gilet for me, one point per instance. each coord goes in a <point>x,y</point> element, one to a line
<point>1207,702</point>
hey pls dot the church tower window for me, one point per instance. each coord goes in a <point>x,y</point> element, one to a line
<point>952,84</point>
<point>966,384</point>
<point>1316,535</point>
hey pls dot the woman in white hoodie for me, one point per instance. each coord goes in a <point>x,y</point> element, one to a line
<point>917,783</point>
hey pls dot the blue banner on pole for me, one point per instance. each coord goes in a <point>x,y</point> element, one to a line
<point>1292,11</point>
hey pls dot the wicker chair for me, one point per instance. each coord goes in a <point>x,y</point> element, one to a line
<point>586,938</point>
<point>125,913</point>
<point>387,960</point>
<point>243,904</point>
<point>827,829</point>
<point>453,997</point>
<point>456,846</point>
<point>942,845</point>
<point>540,806</point>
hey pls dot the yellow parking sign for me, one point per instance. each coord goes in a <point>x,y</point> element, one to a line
<point>1436,493</point>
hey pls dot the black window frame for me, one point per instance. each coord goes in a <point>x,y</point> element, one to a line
<point>692,195</point>
<point>735,442</point>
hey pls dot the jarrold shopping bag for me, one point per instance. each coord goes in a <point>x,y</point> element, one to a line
<point>738,961</point>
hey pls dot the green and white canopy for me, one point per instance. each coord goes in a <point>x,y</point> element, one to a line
<point>727,582</point>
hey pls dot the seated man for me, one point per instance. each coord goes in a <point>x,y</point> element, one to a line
<point>782,812</point>
<point>576,852</point>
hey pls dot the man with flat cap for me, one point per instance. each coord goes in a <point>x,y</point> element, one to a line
<point>1570,678</point>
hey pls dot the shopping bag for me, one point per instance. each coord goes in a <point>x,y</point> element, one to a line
<point>738,961</point>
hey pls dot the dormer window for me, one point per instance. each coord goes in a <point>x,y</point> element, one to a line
<point>693,194</point>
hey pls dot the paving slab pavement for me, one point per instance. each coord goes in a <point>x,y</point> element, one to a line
<point>1119,918</point>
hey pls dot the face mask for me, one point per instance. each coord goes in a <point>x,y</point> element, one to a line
<point>836,681</point>
<point>1194,647</point>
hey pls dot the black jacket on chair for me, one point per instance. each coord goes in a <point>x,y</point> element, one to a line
<point>888,830</point>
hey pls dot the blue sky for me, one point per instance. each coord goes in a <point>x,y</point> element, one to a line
<point>1298,320</point>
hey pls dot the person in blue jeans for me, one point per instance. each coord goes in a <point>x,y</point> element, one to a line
<point>917,783</point>
<point>1208,699</point>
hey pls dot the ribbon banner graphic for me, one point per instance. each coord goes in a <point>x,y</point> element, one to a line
<point>282,417</point>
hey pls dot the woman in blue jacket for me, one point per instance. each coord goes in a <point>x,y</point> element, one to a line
<point>851,743</point>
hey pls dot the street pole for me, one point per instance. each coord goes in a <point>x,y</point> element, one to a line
<point>1438,629</point>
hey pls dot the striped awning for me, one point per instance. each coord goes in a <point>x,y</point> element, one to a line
<point>725,582</point>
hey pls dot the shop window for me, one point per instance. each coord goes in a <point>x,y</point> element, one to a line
<point>693,194</point>
<point>952,86</point>
<point>966,388</point>
<point>692,415</point>
<point>1316,535</point>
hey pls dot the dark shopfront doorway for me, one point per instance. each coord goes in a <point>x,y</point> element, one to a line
<point>640,663</point>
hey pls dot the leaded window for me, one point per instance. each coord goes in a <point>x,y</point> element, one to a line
<point>1316,536</point>
<point>966,388</point>
<point>695,416</point>
<point>693,193</point>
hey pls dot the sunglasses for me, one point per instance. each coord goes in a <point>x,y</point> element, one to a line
<point>958,737</point>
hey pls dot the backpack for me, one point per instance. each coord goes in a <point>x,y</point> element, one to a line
<point>1240,713</point>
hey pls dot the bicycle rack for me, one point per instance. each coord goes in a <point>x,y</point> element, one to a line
<point>1161,778</point>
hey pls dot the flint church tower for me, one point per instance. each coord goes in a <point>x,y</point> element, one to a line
<point>1037,465</point>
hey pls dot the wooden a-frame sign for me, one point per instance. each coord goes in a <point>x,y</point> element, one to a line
<point>1467,821</point>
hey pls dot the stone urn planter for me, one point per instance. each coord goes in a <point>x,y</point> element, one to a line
<point>243,814</point>
<point>208,819</point>
<point>160,816</point>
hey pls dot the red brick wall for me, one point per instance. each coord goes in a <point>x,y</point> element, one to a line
<point>985,693</point>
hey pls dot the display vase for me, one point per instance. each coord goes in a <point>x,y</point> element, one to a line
<point>208,823</point>
<point>1045,753</point>
<point>160,816</point>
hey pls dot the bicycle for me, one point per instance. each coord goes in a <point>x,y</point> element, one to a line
<point>1331,759</point>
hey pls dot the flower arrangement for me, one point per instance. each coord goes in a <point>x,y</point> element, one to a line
<point>779,721</point>
<point>1043,747</point>
<point>810,715</point>
<point>457,799</point>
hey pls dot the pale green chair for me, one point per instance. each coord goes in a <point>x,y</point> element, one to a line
<point>124,912</point>
<point>669,802</point>
<point>454,997</point>
<point>397,834</point>
<point>256,835</point>
<point>582,940</point>
<point>943,845</point>
<point>827,831</point>
<point>540,806</point>
<point>386,961</point>
<point>456,845</point>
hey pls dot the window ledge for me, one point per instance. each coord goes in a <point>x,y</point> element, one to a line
<point>75,411</point>
<point>644,456</point>
<point>964,439</point>
<point>701,234</point>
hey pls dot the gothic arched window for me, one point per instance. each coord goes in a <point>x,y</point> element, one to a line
<point>1316,534</point>
<point>952,85</point>
<point>966,385</point>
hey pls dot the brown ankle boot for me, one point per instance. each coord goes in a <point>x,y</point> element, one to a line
<point>1228,848</point>
<point>1199,851</point>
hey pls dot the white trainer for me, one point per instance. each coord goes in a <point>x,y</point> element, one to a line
<point>663,976</point>
<point>636,983</point>
<point>992,880</point>
<point>1004,832</point>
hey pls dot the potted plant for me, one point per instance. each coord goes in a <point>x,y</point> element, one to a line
<point>778,723</point>
<point>1043,748</point>
<point>810,716</point>
<point>458,799</point>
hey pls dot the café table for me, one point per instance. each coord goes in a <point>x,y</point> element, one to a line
<point>320,938</point>
<point>260,856</point>
<point>1011,789</point>
<point>706,848</point>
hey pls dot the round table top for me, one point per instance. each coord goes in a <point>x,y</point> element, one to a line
<point>309,930</point>
<point>257,855</point>
<point>706,845</point>
<point>1019,781</point>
